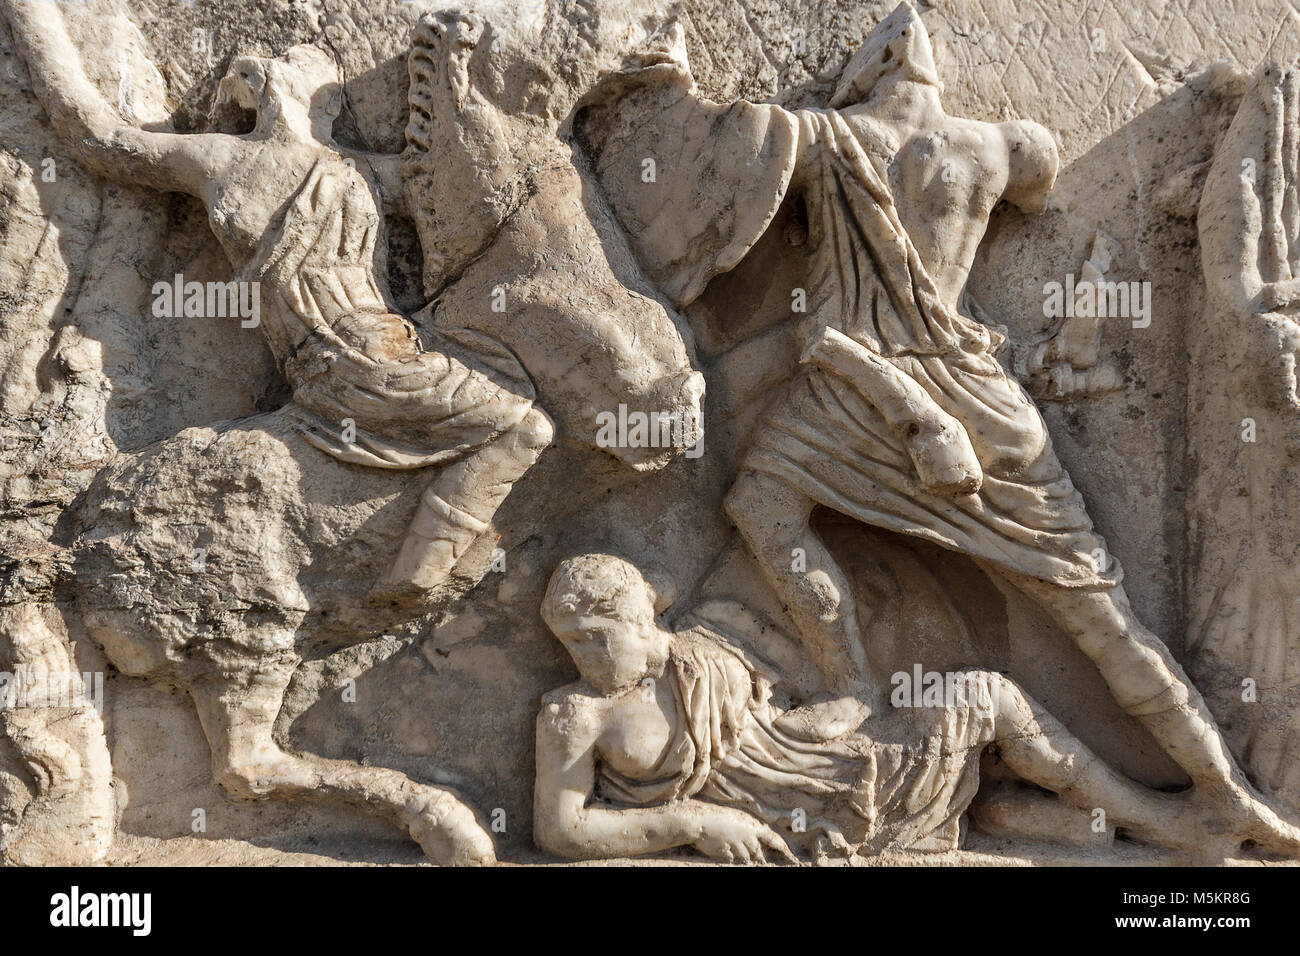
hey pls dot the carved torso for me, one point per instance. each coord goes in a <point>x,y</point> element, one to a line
<point>946,179</point>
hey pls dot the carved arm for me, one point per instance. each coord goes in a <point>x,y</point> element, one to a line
<point>564,823</point>
<point>937,443</point>
<point>101,139</point>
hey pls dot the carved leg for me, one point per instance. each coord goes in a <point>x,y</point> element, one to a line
<point>459,504</point>
<point>60,743</point>
<point>773,519</point>
<point>1149,684</point>
<point>1040,749</point>
<point>238,716</point>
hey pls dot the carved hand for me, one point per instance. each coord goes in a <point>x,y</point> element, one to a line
<point>736,837</point>
<point>937,443</point>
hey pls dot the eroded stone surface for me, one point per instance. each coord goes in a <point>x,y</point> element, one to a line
<point>724,341</point>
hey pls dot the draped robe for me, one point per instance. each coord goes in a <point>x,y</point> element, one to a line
<point>721,173</point>
<point>348,356</point>
<point>905,785</point>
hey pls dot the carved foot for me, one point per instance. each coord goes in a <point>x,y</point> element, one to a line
<point>1253,819</point>
<point>398,594</point>
<point>407,596</point>
<point>1217,821</point>
<point>449,832</point>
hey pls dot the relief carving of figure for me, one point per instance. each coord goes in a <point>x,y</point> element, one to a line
<point>299,219</point>
<point>316,522</point>
<point>671,739</point>
<point>1244,424</point>
<point>900,415</point>
<point>568,220</point>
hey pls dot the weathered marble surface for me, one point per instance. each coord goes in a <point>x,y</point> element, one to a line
<point>170,524</point>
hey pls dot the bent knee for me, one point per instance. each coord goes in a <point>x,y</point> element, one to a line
<point>536,429</point>
<point>1010,705</point>
<point>762,503</point>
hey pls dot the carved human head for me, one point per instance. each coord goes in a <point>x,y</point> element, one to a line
<point>304,77</point>
<point>899,44</point>
<point>604,609</point>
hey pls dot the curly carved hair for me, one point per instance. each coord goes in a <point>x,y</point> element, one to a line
<point>604,585</point>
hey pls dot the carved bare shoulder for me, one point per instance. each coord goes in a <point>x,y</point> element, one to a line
<point>1032,162</point>
<point>570,711</point>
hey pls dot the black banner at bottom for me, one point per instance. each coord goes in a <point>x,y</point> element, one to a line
<point>761,906</point>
